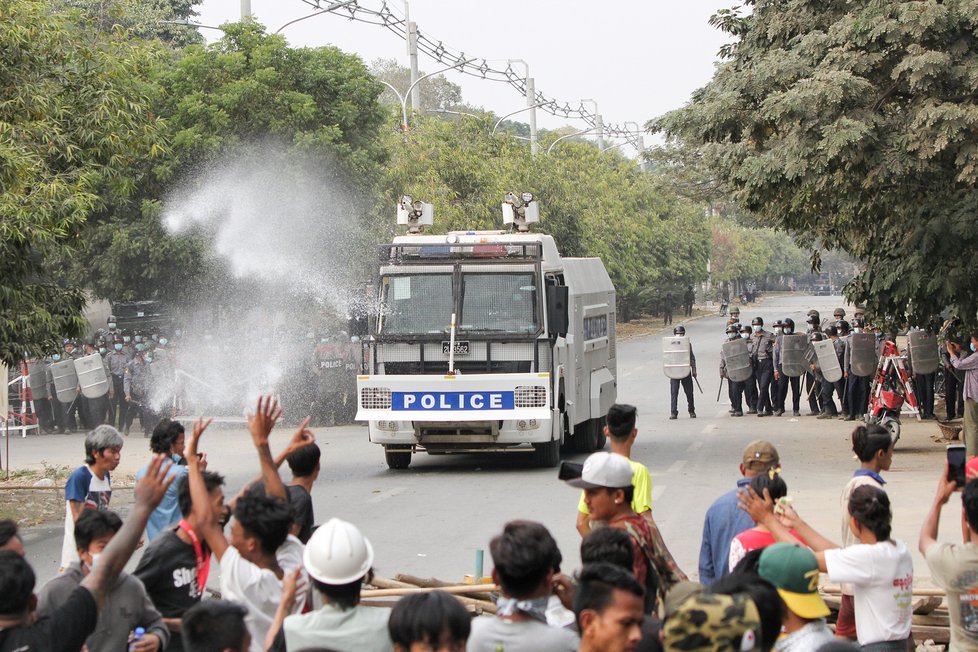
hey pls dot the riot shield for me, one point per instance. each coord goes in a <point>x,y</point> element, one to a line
<point>828,361</point>
<point>65,380</point>
<point>737,359</point>
<point>923,352</point>
<point>91,376</point>
<point>793,348</point>
<point>38,379</point>
<point>675,357</point>
<point>862,354</point>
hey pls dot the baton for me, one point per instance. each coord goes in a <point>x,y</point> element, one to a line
<point>718,389</point>
<point>701,388</point>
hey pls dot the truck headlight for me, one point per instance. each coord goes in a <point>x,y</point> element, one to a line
<point>387,426</point>
<point>527,424</point>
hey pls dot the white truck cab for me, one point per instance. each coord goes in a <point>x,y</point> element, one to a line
<point>487,341</point>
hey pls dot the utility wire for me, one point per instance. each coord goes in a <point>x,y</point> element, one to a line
<point>477,67</point>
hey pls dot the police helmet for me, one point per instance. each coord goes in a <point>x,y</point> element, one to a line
<point>744,328</point>
<point>679,330</point>
<point>777,323</point>
<point>813,320</point>
<point>788,325</point>
<point>757,321</point>
<point>858,322</point>
<point>90,341</point>
<point>842,325</point>
<point>839,313</point>
<point>817,337</point>
<point>832,331</point>
<point>732,329</point>
<point>735,310</point>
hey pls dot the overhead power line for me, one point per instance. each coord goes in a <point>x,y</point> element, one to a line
<point>467,63</point>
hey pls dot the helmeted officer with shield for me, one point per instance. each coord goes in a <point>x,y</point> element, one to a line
<point>679,365</point>
<point>762,355</point>
<point>789,366</point>
<point>860,364</point>
<point>735,366</point>
<point>924,359</point>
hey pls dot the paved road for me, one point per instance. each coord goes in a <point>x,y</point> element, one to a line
<point>430,519</point>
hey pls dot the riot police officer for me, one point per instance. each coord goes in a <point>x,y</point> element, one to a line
<point>735,389</point>
<point>761,348</point>
<point>842,351</point>
<point>857,387</point>
<point>686,382</point>
<point>782,382</point>
<point>734,316</point>
<point>750,385</point>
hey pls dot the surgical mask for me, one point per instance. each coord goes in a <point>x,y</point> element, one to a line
<point>95,558</point>
<point>756,328</point>
<point>139,338</point>
<point>776,330</point>
<point>56,357</point>
<point>972,347</point>
<point>163,341</point>
<point>126,338</point>
<point>733,336</point>
<point>111,326</point>
<point>117,347</point>
<point>102,350</point>
<point>746,336</point>
<point>857,330</point>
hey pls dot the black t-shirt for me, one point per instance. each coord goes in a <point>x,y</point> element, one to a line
<point>65,630</point>
<point>301,503</point>
<point>168,570</point>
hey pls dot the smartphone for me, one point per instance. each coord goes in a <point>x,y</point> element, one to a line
<point>572,471</point>
<point>955,464</point>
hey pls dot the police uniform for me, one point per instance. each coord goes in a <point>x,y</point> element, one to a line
<point>782,382</point>
<point>116,361</point>
<point>735,389</point>
<point>761,349</point>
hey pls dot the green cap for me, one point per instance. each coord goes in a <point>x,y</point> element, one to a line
<point>793,570</point>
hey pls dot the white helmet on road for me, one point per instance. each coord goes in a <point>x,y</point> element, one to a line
<point>338,553</point>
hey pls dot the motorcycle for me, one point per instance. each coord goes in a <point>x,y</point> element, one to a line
<point>892,387</point>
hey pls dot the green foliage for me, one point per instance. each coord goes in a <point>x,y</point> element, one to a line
<point>594,204</point>
<point>437,92</point>
<point>851,125</point>
<point>145,19</point>
<point>74,123</point>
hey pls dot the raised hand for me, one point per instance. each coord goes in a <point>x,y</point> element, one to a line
<point>151,488</point>
<point>200,425</point>
<point>267,413</point>
<point>758,507</point>
<point>303,436</point>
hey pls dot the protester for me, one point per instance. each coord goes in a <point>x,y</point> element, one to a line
<point>759,536</point>
<point>90,485</point>
<point>606,480</point>
<point>168,439</point>
<point>770,609</point>
<point>793,570</point>
<point>429,621</point>
<point>304,464</point>
<point>713,622</point>
<point>10,537</point>
<point>339,561</point>
<point>126,605</point>
<point>970,366</point>
<point>524,558</point>
<point>71,624</point>
<point>725,520</point>
<point>261,550</point>
<point>175,565</point>
<point>873,446</point>
<point>954,566</point>
<point>216,626</point>
<point>879,568</point>
<point>610,608</point>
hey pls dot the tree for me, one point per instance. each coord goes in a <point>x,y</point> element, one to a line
<point>851,125</point>
<point>73,126</point>
<point>437,92</point>
<point>145,19</point>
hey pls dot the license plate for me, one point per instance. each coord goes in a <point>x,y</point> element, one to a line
<point>461,347</point>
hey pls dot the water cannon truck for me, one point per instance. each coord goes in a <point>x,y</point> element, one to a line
<point>487,341</point>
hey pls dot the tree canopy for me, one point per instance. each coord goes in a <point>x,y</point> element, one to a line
<point>852,125</point>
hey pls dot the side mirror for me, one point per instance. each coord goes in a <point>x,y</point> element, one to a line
<point>557,309</point>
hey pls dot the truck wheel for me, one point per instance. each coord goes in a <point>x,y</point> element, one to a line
<point>397,458</point>
<point>596,430</point>
<point>547,454</point>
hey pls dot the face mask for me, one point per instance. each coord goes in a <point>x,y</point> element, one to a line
<point>117,347</point>
<point>972,347</point>
<point>776,330</point>
<point>102,350</point>
<point>857,330</point>
<point>139,338</point>
<point>111,327</point>
<point>732,336</point>
<point>163,341</point>
<point>756,328</point>
<point>56,357</point>
<point>126,339</point>
<point>148,359</point>
<point>746,336</point>
<point>95,558</point>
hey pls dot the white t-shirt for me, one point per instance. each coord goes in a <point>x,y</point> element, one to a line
<point>882,579</point>
<point>258,589</point>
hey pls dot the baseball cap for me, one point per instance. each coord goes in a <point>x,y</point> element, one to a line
<point>793,570</point>
<point>760,455</point>
<point>715,623</point>
<point>603,469</point>
<point>678,594</point>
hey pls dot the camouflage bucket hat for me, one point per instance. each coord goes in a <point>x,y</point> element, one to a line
<point>715,623</point>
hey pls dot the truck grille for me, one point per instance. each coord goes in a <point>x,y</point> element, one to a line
<point>530,396</point>
<point>375,398</point>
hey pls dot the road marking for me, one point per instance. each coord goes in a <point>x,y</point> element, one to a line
<point>695,446</point>
<point>710,428</point>
<point>676,467</point>
<point>657,492</point>
<point>384,495</point>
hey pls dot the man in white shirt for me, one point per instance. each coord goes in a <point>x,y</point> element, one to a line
<point>261,550</point>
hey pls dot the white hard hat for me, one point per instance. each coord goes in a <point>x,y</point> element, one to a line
<point>338,553</point>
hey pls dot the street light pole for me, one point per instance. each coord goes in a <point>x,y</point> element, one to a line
<point>332,7</point>
<point>404,98</point>
<point>579,133</point>
<point>245,9</point>
<point>529,108</point>
<point>639,145</point>
<point>531,104</point>
<point>598,123</point>
<point>412,52</point>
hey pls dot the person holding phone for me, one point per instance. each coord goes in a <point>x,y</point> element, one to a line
<point>970,366</point>
<point>954,566</point>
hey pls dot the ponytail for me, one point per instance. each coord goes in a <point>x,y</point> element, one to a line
<point>870,506</point>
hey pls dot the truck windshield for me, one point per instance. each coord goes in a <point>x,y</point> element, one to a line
<point>504,303</point>
<point>417,304</point>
